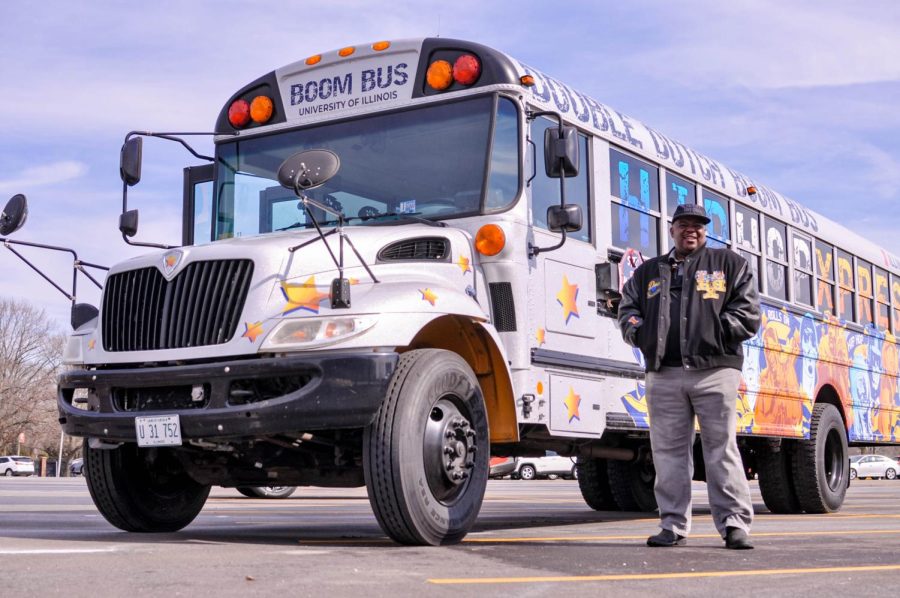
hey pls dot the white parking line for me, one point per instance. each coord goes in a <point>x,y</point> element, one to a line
<point>32,551</point>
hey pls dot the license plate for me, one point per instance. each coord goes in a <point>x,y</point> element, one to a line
<point>158,430</point>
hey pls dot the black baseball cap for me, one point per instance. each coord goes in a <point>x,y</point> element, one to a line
<point>691,210</point>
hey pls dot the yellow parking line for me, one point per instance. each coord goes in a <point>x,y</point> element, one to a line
<point>643,536</point>
<point>652,576</point>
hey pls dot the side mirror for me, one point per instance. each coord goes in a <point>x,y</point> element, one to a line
<point>14,214</point>
<point>561,151</point>
<point>82,313</point>
<point>130,161</point>
<point>567,218</point>
<point>308,170</point>
<point>128,223</point>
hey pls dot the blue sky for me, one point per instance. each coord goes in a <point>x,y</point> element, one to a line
<point>800,95</point>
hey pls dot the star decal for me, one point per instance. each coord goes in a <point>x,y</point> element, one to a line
<point>91,344</point>
<point>567,297</point>
<point>302,296</point>
<point>428,295</point>
<point>541,336</point>
<point>171,260</point>
<point>572,402</point>
<point>463,263</point>
<point>252,331</point>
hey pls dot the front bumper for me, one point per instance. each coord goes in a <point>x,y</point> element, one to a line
<point>338,390</point>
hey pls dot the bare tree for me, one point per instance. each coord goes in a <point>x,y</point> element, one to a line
<point>31,348</point>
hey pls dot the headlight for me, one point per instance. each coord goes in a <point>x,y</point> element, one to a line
<point>74,353</point>
<point>306,333</point>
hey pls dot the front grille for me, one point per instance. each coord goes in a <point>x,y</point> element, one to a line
<point>504,306</point>
<point>424,248</point>
<point>142,311</point>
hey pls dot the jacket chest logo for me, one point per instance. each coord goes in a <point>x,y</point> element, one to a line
<point>710,284</point>
<point>653,288</point>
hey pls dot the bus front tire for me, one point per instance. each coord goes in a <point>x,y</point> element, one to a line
<point>426,452</point>
<point>821,464</point>
<point>776,483</point>
<point>593,481</point>
<point>142,490</point>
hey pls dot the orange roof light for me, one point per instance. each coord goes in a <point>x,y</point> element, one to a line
<point>344,52</point>
<point>314,59</point>
<point>239,113</point>
<point>751,190</point>
<point>379,46</point>
<point>466,69</point>
<point>526,80</point>
<point>490,239</point>
<point>261,109</point>
<point>439,75</point>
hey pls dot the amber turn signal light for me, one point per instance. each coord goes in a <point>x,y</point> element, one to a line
<point>261,109</point>
<point>490,239</point>
<point>439,75</point>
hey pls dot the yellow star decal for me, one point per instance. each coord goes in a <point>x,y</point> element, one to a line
<point>91,344</point>
<point>572,402</point>
<point>171,260</point>
<point>541,336</point>
<point>353,280</point>
<point>463,263</point>
<point>428,295</point>
<point>567,297</point>
<point>302,296</point>
<point>252,331</point>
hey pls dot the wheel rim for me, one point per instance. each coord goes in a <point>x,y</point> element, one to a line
<point>527,473</point>
<point>450,447</point>
<point>834,459</point>
<point>890,474</point>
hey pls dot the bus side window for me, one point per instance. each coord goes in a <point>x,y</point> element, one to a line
<point>634,186</point>
<point>865,292</point>
<point>776,260</point>
<point>803,266</point>
<point>846,302</point>
<point>825,278</point>
<point>746,238</point>
<point>202,212</point>
<point>545,190</point>
<point>717,231</point>
<point>895,296</point>
<point>882,300</point>
<point>678,193</point>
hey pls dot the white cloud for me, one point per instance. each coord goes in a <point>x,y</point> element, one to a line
<point>45,174</point>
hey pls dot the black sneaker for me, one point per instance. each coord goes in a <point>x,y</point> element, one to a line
<point>666,538</point>
<point>737,539</point>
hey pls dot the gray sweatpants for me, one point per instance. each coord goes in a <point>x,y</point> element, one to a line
<point>674,396</point>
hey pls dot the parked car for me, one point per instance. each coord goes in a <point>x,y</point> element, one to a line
<point>76,466</point>
<point>266,491</point>
<point>873,466</point>
<point>503,466</point>
<point>16,465</point>
<point>550,465</point>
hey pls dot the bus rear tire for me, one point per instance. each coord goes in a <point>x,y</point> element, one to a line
<point>776,483</point>
<point>593,481</point>
<point>821,464</point>
<point>426,453</point>
<point>142,490</point>
<point>631,484</point>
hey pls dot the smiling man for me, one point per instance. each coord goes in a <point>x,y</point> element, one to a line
<point>688,312</point>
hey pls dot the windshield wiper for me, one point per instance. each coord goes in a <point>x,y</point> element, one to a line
<point>404,216</point>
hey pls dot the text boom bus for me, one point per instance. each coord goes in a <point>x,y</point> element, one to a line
<point>405,257</point>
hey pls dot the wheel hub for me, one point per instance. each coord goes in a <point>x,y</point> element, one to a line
<point>450,448</point>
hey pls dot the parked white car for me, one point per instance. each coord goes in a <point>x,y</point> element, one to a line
<point>873,466</point>
<point>551,464</point>
<point>16,465</point>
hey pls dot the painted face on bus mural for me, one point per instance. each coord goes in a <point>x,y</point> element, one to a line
<point>809,352</point>
<point>688,234</point>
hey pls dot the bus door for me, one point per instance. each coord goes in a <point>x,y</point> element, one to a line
<point>563,318</point>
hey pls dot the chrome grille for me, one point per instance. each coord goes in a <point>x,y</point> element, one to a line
<point>142,311</point>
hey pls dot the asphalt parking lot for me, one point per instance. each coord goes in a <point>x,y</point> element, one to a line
<point>532,538</point>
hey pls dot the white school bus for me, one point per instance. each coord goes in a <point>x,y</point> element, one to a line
<point>405,257</point>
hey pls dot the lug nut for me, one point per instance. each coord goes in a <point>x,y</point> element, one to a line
<point>448,450</point>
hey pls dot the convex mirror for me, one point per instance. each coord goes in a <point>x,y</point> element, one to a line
<point>14,214</point>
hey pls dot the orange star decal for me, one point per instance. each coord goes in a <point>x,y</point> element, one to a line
<point>252,331</point>
<point>463,263</point>
<point>171,260</point>
<point>302,296</point>
<point>91,344</point>
<point>541,336</point>
<point>428,295</point>
<point>572,402</point>
<point>568,297</point>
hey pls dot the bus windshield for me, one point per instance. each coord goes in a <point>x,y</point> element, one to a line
<point>431,162</point>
